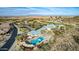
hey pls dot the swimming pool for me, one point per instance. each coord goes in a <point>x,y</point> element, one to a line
<point>37,40</point>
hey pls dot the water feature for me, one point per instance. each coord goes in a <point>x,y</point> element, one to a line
<point>37,40</point>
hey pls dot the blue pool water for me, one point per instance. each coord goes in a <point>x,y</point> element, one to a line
<point>37,40</point>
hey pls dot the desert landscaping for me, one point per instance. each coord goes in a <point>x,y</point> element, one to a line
<point>42,33</point>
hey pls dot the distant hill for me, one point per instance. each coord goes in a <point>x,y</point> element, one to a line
<point>67,19</point>
<point>23,17</point>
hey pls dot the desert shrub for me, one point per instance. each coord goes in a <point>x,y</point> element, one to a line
<point>69,27</point>
<point>76,38</point>
<point>58,32</point>
<point>45,47</point>
<point>77,27</point>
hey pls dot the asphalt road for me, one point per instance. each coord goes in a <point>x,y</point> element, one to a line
<point>11,40</point>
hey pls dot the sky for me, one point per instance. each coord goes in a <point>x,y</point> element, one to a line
<point>39,11</point>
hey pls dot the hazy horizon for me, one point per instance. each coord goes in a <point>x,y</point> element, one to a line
<point>39,11</point>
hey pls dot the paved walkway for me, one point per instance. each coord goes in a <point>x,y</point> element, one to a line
<point>11,40</point>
